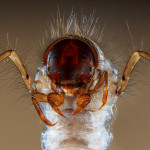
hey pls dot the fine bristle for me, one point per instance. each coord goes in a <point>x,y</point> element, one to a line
<point>83,26</point>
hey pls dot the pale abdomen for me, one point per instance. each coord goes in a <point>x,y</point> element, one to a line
<point>88,130</point>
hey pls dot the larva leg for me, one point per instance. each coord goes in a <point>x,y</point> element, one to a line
<point>38,97</point>
<point>56,100</point>
<point>105,92</point>
<point>17,61</point>
<point>135,57</point>
<point>98,84</point>
<point>82,102</point>
<point>103,79</point>
<point>53,99</point>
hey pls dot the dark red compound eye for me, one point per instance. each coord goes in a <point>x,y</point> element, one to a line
<point>69,61</point>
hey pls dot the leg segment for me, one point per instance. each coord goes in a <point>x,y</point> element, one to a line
<point>98,84</point>
<point>56,100</point>
<point>105,93</point>
<point>17,61</point>
<point>84,99</point>
<point>41,98</point>
<point>102,79</point>
<point>53,99</point>
<point>135,57</point>
<point>82,102</point>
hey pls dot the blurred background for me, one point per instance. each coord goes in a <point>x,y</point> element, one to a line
<point>126,29</point>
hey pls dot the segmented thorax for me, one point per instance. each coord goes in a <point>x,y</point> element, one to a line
<point>90,128</point>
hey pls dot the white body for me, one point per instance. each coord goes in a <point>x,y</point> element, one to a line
<point>89,129</point>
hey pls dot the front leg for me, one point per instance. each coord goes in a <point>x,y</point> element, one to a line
<point>53,99</point>
<point>84,99</point>
<point>39,97</point>
<point>82,102</point>
<point>99,83</point>
<point>103,79</point>
<point>56,100</point>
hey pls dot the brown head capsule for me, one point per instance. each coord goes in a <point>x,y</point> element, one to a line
<point>70,62</point>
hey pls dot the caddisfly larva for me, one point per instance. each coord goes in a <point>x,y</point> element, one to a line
<point>75,89</point>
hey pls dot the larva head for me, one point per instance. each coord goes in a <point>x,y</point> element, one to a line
<point>70,62</point>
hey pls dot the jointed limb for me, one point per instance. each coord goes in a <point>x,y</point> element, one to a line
<point>102,80</point>
<point>105,92</point>
<point>82,102</point>
<point>84,99</point>
<point>98,84</point>
<point>56,100</point>
<point>37,97</point>
<point>129,67</point>
<point>53,99</point>
<point>17,61</point>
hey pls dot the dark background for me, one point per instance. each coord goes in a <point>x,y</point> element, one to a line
<point>24,21</point>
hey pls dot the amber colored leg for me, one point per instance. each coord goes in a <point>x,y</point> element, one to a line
<point>98,84</point>
<point>17,61</point>
<point>82,102</point>
<point>102,79</point>
<point>40,97</point>
<point>135,57</point>
<point>37,107</point>
<point>88,86</point>
<point>105,92</point>
<point>84,99</point>
<point>56,100</point>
